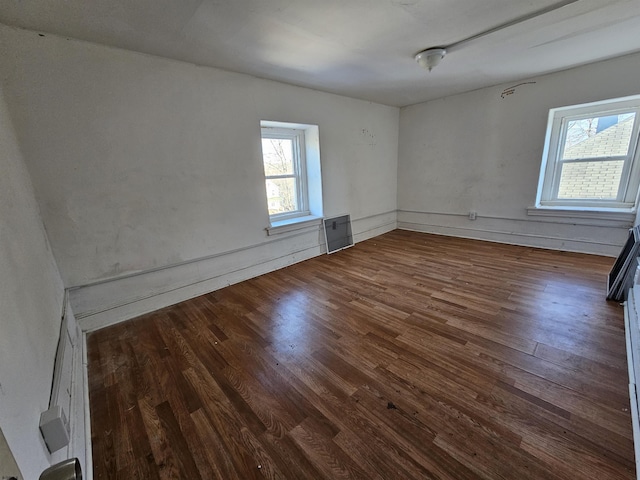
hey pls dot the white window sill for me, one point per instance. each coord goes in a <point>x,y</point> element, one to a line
<point>293,224</point>
<point>596,214</point>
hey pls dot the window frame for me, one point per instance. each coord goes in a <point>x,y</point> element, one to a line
<point>297,136</point>
<point>551,168</point>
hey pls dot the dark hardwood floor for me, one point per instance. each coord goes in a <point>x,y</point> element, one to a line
<point>409,356</point>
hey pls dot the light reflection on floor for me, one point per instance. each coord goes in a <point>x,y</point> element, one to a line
<point>291,331</point>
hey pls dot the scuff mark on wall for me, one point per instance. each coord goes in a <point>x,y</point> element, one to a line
<point>404,3</point>
<point>369,137</point>
<point>511,90</point>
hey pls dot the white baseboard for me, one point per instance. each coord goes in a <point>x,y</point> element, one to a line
<point>632,338</point>
<point>80,444</point>
<point>553,234</point>
<point>88,448</point>
<point>108,302</point>
<point>69,387</point>
<point>374,225</point>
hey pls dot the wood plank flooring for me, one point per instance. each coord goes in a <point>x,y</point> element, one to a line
<point>409,356</point>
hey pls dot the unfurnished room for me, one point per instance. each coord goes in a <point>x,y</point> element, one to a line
<point>293,239</point>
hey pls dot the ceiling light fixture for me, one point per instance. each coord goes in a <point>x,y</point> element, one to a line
<point>430,57</point>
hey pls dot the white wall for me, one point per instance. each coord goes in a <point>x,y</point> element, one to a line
<point>141,163</point>
<point>31,296</point>
<point>480,152</point>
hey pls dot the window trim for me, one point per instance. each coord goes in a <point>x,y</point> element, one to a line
<point>549,180</point>
<point>299,166</point>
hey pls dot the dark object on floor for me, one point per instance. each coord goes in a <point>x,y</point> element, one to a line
<point>620,278</point>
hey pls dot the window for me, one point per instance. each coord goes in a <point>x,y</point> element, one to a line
<point>590,157</point>
<point>283,155</point>
<point>293,178</point>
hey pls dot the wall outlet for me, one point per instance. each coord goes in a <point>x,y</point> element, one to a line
<point>472,215</point>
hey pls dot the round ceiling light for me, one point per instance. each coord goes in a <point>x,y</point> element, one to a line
<point>430,57</point>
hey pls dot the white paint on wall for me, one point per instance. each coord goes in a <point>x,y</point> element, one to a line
<point>141,162</point>
<point>31,294</point>
<point>481,151</point>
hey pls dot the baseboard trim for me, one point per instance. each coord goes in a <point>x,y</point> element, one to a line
<point>574,237</point>
<point>88,453</point>
<point>159,299</point>
<point>111,301</point>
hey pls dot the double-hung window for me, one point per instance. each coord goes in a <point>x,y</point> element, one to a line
<point>283,155</point>
<point>590,158</point>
